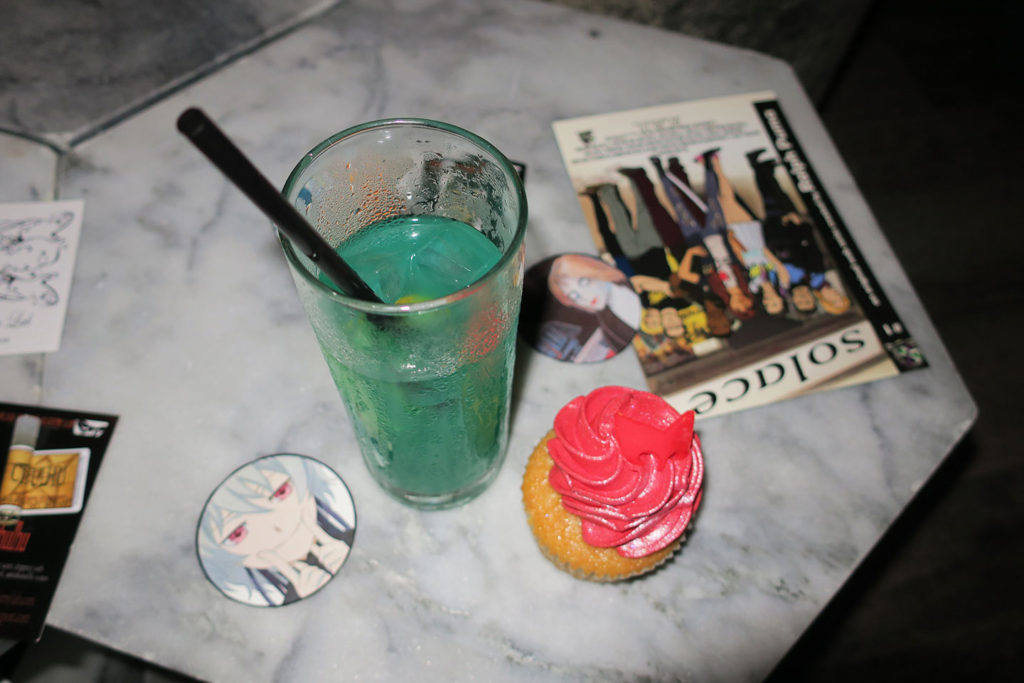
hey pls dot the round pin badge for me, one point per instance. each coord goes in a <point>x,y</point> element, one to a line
<point>579,309</point>
<point>276,530</point>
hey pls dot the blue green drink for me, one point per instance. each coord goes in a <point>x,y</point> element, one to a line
<point>411,259</point>
<point>432,218</point>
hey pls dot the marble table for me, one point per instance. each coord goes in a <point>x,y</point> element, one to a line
<point>183,321</point>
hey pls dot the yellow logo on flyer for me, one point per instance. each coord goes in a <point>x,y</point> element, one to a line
<point>35,481</point>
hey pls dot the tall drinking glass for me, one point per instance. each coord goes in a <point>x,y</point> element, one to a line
<point>433,218</point>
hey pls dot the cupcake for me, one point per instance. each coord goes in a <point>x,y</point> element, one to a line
<point>610,491</point>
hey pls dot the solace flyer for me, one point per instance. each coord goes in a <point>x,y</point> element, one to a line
<point>49,465</point>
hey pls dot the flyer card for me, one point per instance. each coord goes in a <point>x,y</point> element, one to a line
<point>38,242</point>
<point>49,461</point>
<point>752,287</point>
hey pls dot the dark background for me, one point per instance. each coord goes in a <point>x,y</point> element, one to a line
<point>927,111</point>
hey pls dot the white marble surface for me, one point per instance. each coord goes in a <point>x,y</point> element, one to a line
<point>184,321</point>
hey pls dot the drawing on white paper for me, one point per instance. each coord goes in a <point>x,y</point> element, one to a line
<point>38,244</point>
<point>29,248</point>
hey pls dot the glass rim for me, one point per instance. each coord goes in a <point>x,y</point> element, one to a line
<point>508,254</point>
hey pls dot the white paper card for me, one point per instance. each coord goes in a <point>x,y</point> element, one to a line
<point>38,243</point>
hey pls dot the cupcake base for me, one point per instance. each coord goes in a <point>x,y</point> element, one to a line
<point>558,532</point>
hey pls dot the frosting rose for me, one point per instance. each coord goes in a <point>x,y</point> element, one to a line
<point>630,466</point>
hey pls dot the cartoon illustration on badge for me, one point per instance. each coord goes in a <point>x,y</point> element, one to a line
<point>276,530</point>
<point>578,308</point>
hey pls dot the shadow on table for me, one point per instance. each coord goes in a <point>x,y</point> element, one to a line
<point>60,657</point>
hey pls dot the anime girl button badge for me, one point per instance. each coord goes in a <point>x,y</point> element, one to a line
<point>579,309</point>
<point>277,530</point>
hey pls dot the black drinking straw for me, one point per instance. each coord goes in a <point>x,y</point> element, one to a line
<point>211,141</point>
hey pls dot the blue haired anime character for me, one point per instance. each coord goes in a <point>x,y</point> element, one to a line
<point>276,530</point>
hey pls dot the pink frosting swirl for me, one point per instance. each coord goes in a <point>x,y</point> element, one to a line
<point>630,466</point>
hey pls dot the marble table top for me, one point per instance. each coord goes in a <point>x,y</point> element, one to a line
<point>183,320</point>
